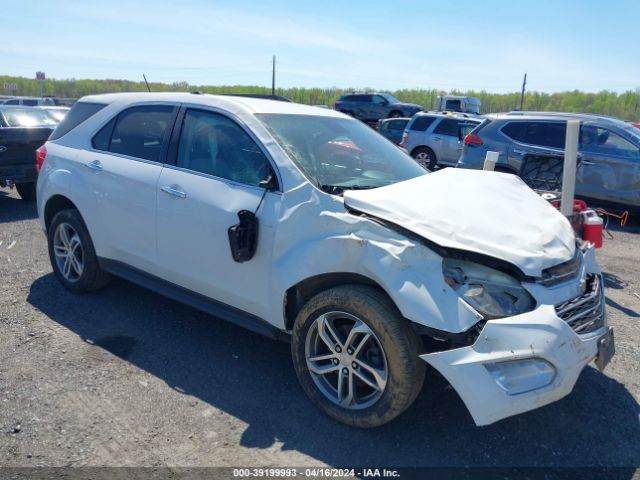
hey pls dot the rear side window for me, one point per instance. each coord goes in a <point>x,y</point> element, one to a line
<point>453,106</point>
<point>544,134</point>
<point>447,127</point>
<point>80,112</point>
<point>421,123</point>
<point>30,102</point>
<point>396,125</point>
<point>12,102</point>
<point>138,132</point>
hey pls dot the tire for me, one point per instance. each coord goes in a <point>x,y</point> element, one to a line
<point>391,350</point>
<point>425,157</point>
<point>27,191</point>
<point>395,114</point>
<point>68,237</point>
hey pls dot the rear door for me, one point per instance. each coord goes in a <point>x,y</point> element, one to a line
<point>610,166</point>
<point>537,137</point>
<point>121,171</point>
<point>446,141</point>
<point>216,172</point>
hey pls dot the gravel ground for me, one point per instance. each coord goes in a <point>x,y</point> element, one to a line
<point>127,377</point>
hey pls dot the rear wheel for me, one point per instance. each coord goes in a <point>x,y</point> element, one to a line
<point>356,357</point>
<point>27,191</point>
<point>425,157</point>
<point>395,114</point>
<point>73,257</point>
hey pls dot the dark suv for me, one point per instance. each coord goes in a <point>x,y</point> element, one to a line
<point>609,150</point>
<point>371,107</point>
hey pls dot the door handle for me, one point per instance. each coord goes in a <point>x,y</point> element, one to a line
<point>437,139</point>
<point>173,190</point>
<point>95,165</point>
<point>584,162</point>
<point>518,152</point>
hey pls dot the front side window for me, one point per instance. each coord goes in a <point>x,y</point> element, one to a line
<point>138,132</point>
<point>605,142</point>
<point>378,100</point>
<point>215,145</point>
<point>337,154</point>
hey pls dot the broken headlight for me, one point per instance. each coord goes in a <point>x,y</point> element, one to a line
<point>490,292</point>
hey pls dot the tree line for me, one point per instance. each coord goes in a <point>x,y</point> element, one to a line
<point>624,105</point>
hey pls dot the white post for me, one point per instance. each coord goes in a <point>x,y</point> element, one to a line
<point>490,161</point>
<point>569,170</point>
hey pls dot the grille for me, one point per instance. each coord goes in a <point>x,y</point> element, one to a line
<point>585,314</point>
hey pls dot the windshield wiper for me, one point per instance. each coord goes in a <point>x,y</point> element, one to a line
<point>339,189</point>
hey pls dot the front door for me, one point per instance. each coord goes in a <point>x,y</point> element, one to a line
<point>610,167</point>
<point>216,173</point>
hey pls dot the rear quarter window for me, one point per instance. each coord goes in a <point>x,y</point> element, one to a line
<point>80,112</point>
<point>421,123</point>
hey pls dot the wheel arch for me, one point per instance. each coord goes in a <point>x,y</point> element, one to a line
<point>56,204</point>
<point>297,295</point>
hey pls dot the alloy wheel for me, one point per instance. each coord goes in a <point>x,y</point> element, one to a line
<point>346,360</point>
<point>68,253</point>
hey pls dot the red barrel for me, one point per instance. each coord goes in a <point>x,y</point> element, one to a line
<point>592,228</point>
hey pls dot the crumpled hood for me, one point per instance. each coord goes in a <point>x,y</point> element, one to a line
<point>490,213</point>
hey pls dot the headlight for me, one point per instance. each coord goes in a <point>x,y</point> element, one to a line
<point>491,293</point>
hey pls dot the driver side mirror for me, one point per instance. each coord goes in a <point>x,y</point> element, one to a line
<point>270,184</point>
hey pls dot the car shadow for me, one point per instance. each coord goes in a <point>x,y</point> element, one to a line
<point>14,209</point>
<point>252,378</point>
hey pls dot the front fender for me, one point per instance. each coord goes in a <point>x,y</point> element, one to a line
<point>339,242</point>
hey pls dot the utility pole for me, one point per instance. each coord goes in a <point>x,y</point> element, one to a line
<point>524,83</point>
<point>273,77</point>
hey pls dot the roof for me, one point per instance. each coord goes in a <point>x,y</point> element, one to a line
<point>248,104</point>
<point>524,115</point>
<point>468,116</point>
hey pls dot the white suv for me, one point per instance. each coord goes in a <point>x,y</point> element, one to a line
<point>303,223</point>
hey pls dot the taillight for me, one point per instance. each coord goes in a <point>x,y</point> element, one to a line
<point>405,137</point>
<point>41,154</point>
<point>473,140</point>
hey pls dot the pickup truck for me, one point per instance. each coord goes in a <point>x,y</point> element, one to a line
<point>22,131</point>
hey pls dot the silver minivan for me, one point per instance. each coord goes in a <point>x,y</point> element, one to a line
<point>609,150</point>
<point>433,138</point>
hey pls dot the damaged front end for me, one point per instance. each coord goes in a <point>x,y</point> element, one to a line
<point>534,340</point>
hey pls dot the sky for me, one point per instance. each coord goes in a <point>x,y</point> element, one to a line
<point>392,44</point>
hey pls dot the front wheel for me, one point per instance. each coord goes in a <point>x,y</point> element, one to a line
<point>356,357</point>
<point>395,114</point>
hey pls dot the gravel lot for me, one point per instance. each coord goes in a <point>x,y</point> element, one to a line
<point>127,377</point>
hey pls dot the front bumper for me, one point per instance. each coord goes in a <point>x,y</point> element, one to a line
<point>539,335</point>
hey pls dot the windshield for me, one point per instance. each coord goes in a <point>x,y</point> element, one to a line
<point>338,154</point>
<point>390,98</point>
<point>58,113</point>
<point>473,105</point>
<point>27,117</point>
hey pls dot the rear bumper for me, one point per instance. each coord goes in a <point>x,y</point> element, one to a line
<point>524,342</point>
<point>17,174</point>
